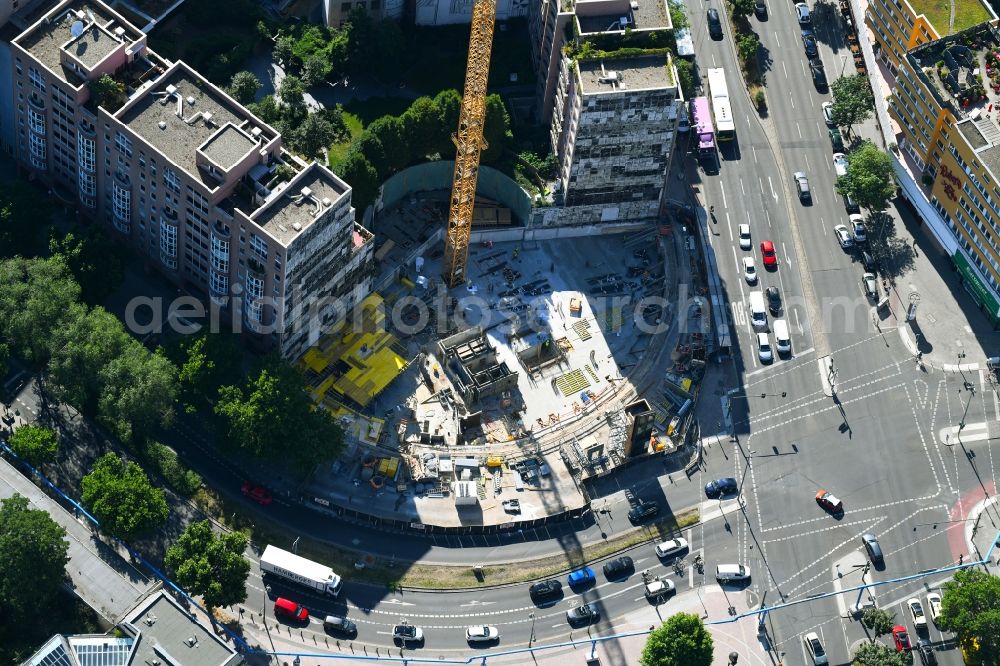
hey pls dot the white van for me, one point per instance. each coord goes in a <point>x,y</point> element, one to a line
<point>758,310</point>
<point>782,342</point>
<point>731,573</point>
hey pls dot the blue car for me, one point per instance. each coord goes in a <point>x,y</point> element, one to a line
<point>721,487</point>
<point>581,577</point>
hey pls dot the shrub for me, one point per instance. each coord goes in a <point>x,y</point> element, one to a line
<point>168,465</point>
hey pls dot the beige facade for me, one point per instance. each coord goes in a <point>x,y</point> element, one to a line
<point>187,177</point>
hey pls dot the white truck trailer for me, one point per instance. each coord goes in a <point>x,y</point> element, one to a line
<point>290,566</point>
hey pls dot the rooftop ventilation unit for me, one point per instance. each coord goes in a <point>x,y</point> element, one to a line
<point>80,15</point>
<point>297,226</point>
<point>256,132</point>
<point>162,124</point>
<point>190,100</point>
<point>120,33</point>
<point>306,192</point>
<point>207,117</point>
<point>326,202</point>
<point>192,641</point>
<point>609,77</point>
<point>171,89</point>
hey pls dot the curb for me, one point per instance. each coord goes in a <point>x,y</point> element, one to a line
<point>911,346</point>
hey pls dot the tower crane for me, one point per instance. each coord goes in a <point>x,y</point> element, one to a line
<point>469,143</point>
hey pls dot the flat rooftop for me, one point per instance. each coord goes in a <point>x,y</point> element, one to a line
<point>967,14</point>
<point>290,208</point>
<point>46,39</point>
<point>164,627</point>
<point>640,73</point>
<point>228,146</point>
<point>597,16</point>
<point>154,117</point>
<point>972,134</point>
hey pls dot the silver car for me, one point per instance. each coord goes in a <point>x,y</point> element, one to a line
<point>482,633</point>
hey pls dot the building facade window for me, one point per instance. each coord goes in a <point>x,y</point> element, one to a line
<point>123,143</point>
<point>36,79</point>
<point>171,180</point>
<point>255,290</point>
<point>121,201</point>
<point>220,255</point>
<point>86,153</point>
<point>258,245</point>
<point>219,283</point>
<point>36,121</point>
<point>37,148</point>
<point>168,244</point>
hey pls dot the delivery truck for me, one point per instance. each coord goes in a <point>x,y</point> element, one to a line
<point>319,577</point>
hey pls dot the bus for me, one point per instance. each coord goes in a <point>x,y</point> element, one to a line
<point>724,124</point>
<point>702,120</point>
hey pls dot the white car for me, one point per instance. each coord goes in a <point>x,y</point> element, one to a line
<point>858,228</point>
<point>745,243</point>
<point>843,236</point>
<point>764,348</point>
<point>828,113</point>
<point>671,547</point>
<point>840,164</point>
<point>802,11</point>
<point>934,606</point>
<point>815,649</point>
<point>749,270</point>
<point>869,283</point>
<point>917,611</point>
<point>657,589</point>
<point>482,633</point>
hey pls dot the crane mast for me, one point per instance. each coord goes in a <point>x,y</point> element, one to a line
<point>469,143</point>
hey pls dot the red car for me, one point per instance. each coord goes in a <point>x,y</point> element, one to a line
<point>829,502</point>
<point>770,258</point>
<point>900,637</point>
<point>257,493</point>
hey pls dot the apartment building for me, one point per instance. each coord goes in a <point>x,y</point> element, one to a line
<point>552,25</point>
<point>337,12</point>
<point>949,130</point>
<point>187,177</point>
<point>899,26</point>
<point>613,127</point>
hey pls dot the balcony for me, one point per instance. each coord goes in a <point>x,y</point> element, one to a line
<point>36,101</point>
<point>122,180</point>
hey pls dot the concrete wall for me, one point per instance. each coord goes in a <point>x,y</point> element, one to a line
<point>547,233</point>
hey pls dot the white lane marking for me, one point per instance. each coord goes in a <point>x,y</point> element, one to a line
<point>754,151</point>
<point>783,69</point>
<point>776,40</point>
<point>808,166</point>
<point>788,260</point>
<point>774,194</point>
<point>742,189</point>
<point>768,216</point>
<point>722,186</point>
<point>798,129</point>
<point>792,100</point>
<point>729,226</point>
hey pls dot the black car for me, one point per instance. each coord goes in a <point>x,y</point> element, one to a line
<point>809,44</point>
<point>643,510</point>
<point>926,652</point>
<point>586,614</point>
<point>714,24</point>
<point>760,8</point>
<point>868,261</point>
<point>874,550</point>
<point>818,73</point>
<point>335,624</point>
<point>618,567</point>
<point>773,300</point>
<point>546,589</point>
<point>721,487</point>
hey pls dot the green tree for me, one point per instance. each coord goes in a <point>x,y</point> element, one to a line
<point>35,444</point>
<point>138,393</point>
<point>853,101</point>
<point>371,147</point>
<point>869,179</point>
<point>121,497</point>
<point>263,32</point>
<point>283,49</point>
<point>878,654</point>
<point>421,127</point>
<point>678,15</point>
<point>747,46</point>
<point>685,76</point>
<point>496,130</point>
<point>391,133</point>
<point>108,92</point>
<point>680,641</point>
<point>96,261</point>
<point>4,360</point>
<point>211,564</point>
<point>291,91</point>
<point>878,621</point>
<point>313,135</point>
<point>362,177</point>
<point>33,557</point>
<point>37,297</point>
<point>266,109</point>
<point>87,342</point>
<point>244,86</point>
<point>315,69</point>
<point>209,360</point>
<point>23,212</point>
<point>741,8</point>
<point>970,607</point>
<point>449,106</point>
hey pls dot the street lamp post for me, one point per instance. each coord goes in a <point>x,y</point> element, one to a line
<point>531,639</point>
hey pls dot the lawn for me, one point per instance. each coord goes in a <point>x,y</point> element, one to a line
<point>967,14</point>
<point>339,150</point>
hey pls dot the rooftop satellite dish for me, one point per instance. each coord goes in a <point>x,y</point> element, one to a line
<point>77,28</point>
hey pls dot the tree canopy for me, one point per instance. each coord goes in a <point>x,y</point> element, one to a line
<point>970,606</point>
<point>313,135</point>
<point>361,175</point>
<point>211,564</point>
<point>496,130</point>
<point>96,261</point>
<point>878,621</point>
<point>678,15</point>
<point>244,86</point>
<point>36,299</point>
<point>33,557</point>
<point>741,8</point>
<point>853,101</point>
<point>35,444</point>
<point>23,212</point>
<point>869,179</point>
<point>109,92</point>
<point>878,654</point>
<point>680,641</point>
<point>208,361</point>
<point>121,497</point>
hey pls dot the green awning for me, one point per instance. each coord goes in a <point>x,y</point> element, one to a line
<point>981,292</point>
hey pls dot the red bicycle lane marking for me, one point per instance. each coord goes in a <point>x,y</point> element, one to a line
<point>960,512</point>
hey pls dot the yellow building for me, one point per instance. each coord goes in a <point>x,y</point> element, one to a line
<point>946,102</point>
<point>900,25</point>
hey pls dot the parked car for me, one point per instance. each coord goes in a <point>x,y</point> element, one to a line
<point>858,228</point>
<point>764,352</point>
<point>482,633</point>
<point>585,614</point>
<point>684,119</point>
<point>869,284</point>
<point>658,589</point>
<point>257,493</point>
<point>840,163</point>
<point>828,113</point>
<point>618,567</point>
<point>546,589</point>
<point>749,270</point>
<point>819,80</point>
<point>714,24</point>
<point>815,649</point>
<point>760,8</point>
<point>801,183</point>
<point>581,577</point>
<point>900,638</point>
<point>868,261</point>
<point>407,634</point>
<point>341,626</point>
<point>809,44</point>
<point>643,510</point>
<point>773,299</point>
<point>290,610</point>
<point>769,255</point>
<point>802,12</point>
<point>836,140</point>
<point>926,652</point>
<point>873,548</point>
<point>719,487</point>
<point>917,613</point>
<point>829,501</point>
<point>934,606</point>
<point>745,243</point>
<point>843,236</point>
<point>670,548</point>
